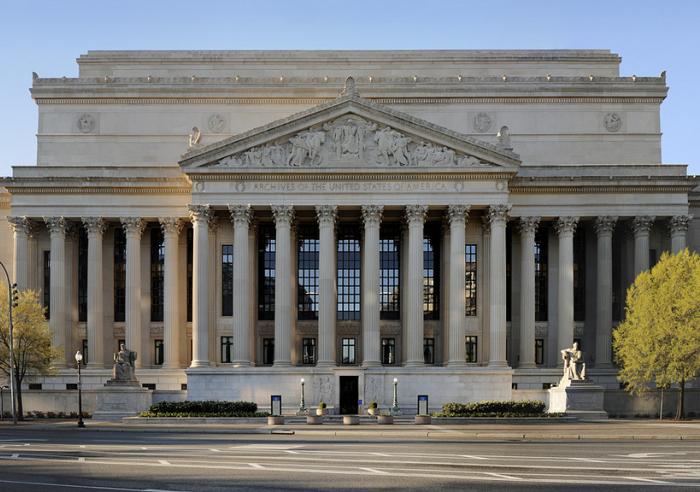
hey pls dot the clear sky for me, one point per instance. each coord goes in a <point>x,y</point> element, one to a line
<point>651,36</point>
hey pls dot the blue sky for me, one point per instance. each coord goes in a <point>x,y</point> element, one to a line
<point>47,36</point>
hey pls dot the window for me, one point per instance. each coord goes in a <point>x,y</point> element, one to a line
<point>157,271</point>
<point>307,272</point>
<point>429,350</point>
<point>618,294</point>
<point>389,271</point>
<point>580,275</point>
<point>388,351</point>
<point>158,352</point>
<point>190,252</point>
<point>348,346</point>
<point>47,283</point>
<point>653,258</point>
<point>470,279</point>
<point>227,280</point>
<point>85,351</point>
<point>226,349</point>
<point>82,274</point>
<point>431,273</point>
<point>349,274</point>
<point>509,273</point>
<point>471,345</point>
<point>541,249</point>
<point>268,351</point>
<point>539,351</point>
<point>308,351</point>
<point>119,274</point>
<point>266,272</point>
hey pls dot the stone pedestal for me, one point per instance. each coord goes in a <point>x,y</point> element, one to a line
<point>577,398</point>
<point>115,401</point>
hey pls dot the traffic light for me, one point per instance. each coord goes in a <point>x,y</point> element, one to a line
<point>15,296</point>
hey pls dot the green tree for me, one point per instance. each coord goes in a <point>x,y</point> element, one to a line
<point>659,340</point>
<point>33,352</point>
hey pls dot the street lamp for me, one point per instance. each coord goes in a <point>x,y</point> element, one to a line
<point>12,298</point>
<point>79,360</point>
<point>302,403</point>
<point>395,410</point>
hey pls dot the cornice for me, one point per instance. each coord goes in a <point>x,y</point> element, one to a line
<point>530,190</point>
<point>356,176</point>
<point>101,190</point>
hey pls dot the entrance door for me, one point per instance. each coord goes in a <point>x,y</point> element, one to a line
<point>348,395</point>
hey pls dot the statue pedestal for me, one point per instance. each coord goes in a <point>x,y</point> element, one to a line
<point>123,399</point>
<point>577,398</point>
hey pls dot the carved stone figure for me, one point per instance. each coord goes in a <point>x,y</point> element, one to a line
<point>194,137</point>
<point>503,137</point>
<point>574,367</point>
<point>612,122</point>
<point>86,123</point>
<point>123,370</point>
<point>306,144</point>
<point>348,136</point>
<point>394,144</point>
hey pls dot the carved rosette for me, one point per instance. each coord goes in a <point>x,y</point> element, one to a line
<point>20,225</point>
<point>372,215</point>
<point>643,224</point>
<point>133,225</point>
<point>171,225</point>
<point>566,225</point>
<point>528,225</point>
<point>679,223</point>
<point>55,225</point>
<point>241,214</point>
<point>283,214</point>
<point>415,214</point>
<point>457,213</point>
<point>94,225</point>
<point>498,213</point>
<point>326,214</point>
<point>200,214</point>
<point>605,225</point>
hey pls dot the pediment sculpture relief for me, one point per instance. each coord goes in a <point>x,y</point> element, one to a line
<point>350,141</point>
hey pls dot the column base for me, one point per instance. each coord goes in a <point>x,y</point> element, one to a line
<point>455,363</point>
<point>498,363</point>
<point>171,366</point>
<point>282,363</point>
<point>242,363</point>
<point>326,363</point>
<point>371,363</point>
<point>199,363</point>
<point>94,365</point>
<point>414,363</point>
<point>527,365</point>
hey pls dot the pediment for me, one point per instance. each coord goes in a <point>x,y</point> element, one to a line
<point>349,133</point>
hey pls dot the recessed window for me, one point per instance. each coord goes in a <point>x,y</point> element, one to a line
<point>266,272</point>
<point>226,349</point>
<point>158,352</point>
<point>388,351</point>
<point>429,350</point>
<point>389,271</point>
<point>47,283</point>
<point>268,351</point>
<point>348,350</point>
<point>190,253</point>
<point>119,274</point>
<point>471,349</point>
<point>227,280</point>
<point>85,352</point>
<point>82,274</point>
<point>580,274</point>
<point>349,274</point>
<point>307,272</point>
<point>431,273</point>
<point>308,351</point>
<point>541,253</point>
<point>470,279</point>
<point>157,273</point>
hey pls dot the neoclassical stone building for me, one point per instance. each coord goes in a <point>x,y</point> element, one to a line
<point>244,219</point>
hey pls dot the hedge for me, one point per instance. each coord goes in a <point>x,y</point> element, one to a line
<point>203,409</point>
<point>524,408</point>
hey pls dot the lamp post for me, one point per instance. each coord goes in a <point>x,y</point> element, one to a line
<point>12,298</point>
<point>2,402</point>
<point>395,410</point>
<point>302,403</point>
<point>79,360</point>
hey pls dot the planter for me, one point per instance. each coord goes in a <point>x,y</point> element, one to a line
<point>423,420</point>
<point>320,412</point>
<point>314,419</point>
<point>372,411</point>
<point>385,419</point>
<point>275,420</point>
<point>351,420</point>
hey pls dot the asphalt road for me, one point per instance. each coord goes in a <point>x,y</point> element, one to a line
<point>77,460</point>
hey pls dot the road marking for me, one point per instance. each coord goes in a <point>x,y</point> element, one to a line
<point>82,446</point>
<point>214,450</point>
<point>289,451</point>
<point>23,440</point>
<point>14,456</point>
<point>659,482</point>
<point>81,459</point>
<point>471,456</point>
<point>375,471</point>
<point>501,475</point>
<point>379,454</point>
<point>650,455</point>
<point>164,462</point>
<point>92,487</point>
<point>257,466</point>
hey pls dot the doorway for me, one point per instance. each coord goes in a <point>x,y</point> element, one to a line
<point>348,395</point>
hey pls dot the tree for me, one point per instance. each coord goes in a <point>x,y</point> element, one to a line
<point>33,352</point>
<point>659,340</point>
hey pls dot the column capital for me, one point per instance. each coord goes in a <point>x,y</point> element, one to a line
<point>528,225</point>
<point>457,213</point>
<point>133,225</point>
<point>415,213</point>
<point>241,214</point>
<point>200,213</point>
<point>326,214</point>
<point>498,213</point>
<point>372,214</point>
<point>283,214</point>
<point>642,224</point>
<point>94,225</point>
<point>679,223</point>
<point>56,224</point>
<point>20,224</point>
<point>171,225</point>
<point>605,224</point>
<point>566,225</point>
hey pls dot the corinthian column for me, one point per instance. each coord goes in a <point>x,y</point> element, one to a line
<point>678,225</point>
<point>284,216</point>
<point>565,228</point>
<point>415,217</point>
<point>456,215</point>
<point>498,216</point>
<point>171,227</point>
<point>641,226</point>
<point>133,228</point>
<point>604,229</point>
<point>241,215</point>
<point>57,310</point>
<point>327,297</point>
<point>201,215</point>
<point>372,217</point>
<point>20,263</point>
<point>95,227</point>
<point>528,228</point>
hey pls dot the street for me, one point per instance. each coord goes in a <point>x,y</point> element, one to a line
<point>103,459</point>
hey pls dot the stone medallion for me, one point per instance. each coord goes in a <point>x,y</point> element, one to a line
<point>482,122</point>
<point>86,123</point>
<point>612,122</point>
<point>216,123</point>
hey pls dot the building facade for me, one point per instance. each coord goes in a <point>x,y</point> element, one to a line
<point>242,220</point>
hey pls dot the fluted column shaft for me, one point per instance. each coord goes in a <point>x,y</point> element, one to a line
<point>201,216</point>
<point>565,228</point>
<point>95,227</point>
<point>604,227</point>
<point>415,217</point>
<point>58,287</point>
<point>328,290</point>
<point>528,228</point>
<point>284,216</point>
<point>20,261</point>
<point>456,214</point>
<point>133,229</point>
<point>241,215</point>
<point>678,226</point>
<point>498,216</point>
<point>372,217</point>
<point>641,226</point>
<point>171,227</point>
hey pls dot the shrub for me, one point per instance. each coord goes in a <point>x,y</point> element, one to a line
<point>202,409</point>
<point>322,405</point>
<point>373,404</point>
<point>524,408</point>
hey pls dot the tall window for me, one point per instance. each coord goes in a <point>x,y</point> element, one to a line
<point>226,349</point>
<point>119,274</point>
<point>47,283</point>
<point>539,351</point>
<point>307,272</point>
<point>158,350</point>
<point>541,254</point>
<point>266,272</point>
<point>431,274</point>
<point>580,275</point>
<point>348,349</point>
<point>509,272</point>
<point>190,254</point>
<point>349,274</point>
<point>157,271</point>
<point>389,271</point>
<point>429,350</point>
<point>268,351</point>
<point>308,351</point>
<point>82,274</point>
<point>470,279</point>
<point>227,280</point>
<point>388,351</point>
<point>471,346</point>
<point>85,352</point>
<point>618,295</point>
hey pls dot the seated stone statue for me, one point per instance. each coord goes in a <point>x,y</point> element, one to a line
<point>574,367</point>
<point>124,365</point>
